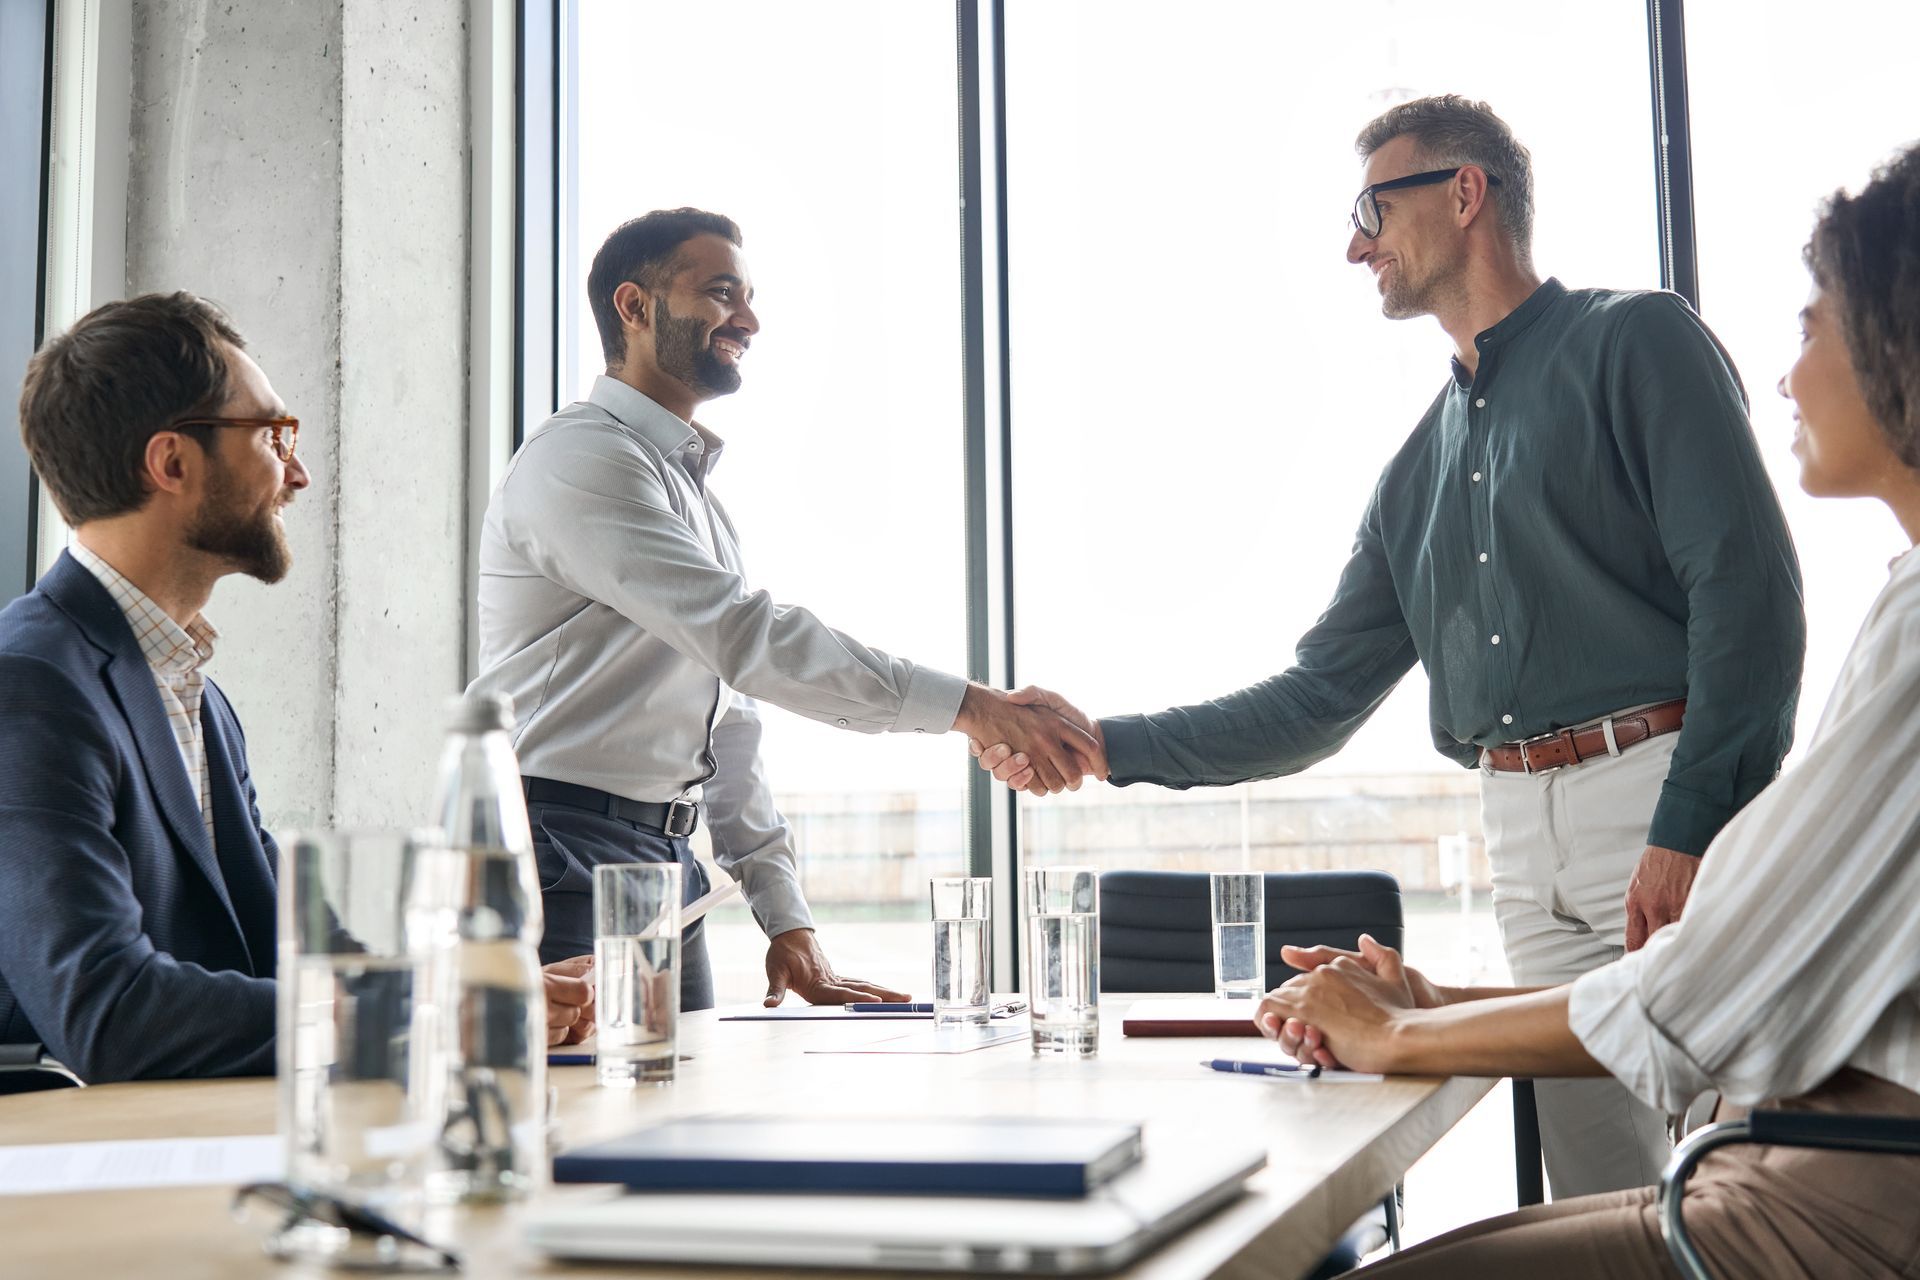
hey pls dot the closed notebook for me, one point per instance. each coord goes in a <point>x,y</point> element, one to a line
<point>1189,1018</point>
<point>1022,1156</point>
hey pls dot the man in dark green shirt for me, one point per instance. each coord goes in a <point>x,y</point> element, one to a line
<point>1579,540</point>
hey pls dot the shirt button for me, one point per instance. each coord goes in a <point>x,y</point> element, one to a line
<point>919,730</point>
<point>1506,719</point>
<point>1496,639</point>
<point>842,723</point>
<point>1483,557</point>
<point>1476,477</point>
<point>1481,403</point>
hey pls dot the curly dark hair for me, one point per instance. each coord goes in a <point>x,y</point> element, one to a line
<point>645,251</point>
<point>1865,253</point>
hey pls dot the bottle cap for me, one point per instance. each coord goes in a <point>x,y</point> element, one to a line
<point>480,713</point>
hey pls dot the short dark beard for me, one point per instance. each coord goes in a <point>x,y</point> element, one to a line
<point>684,352</point>
<point>252,542</point>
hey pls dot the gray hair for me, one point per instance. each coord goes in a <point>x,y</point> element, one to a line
<point>1451,130</point>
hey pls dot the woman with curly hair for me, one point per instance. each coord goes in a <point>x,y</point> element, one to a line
<point>1793,978</point>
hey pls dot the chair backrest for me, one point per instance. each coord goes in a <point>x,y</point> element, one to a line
<point>1156,927</point>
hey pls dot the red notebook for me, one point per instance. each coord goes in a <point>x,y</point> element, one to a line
<point>1190,1018</point>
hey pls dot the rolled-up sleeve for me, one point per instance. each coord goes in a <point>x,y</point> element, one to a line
<point>1801,936</point>
<point>597,519</point>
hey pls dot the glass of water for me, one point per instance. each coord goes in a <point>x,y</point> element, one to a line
<point>962,907</point>
<point>1063,959</point>
<point>1239,935</point>
<point>362,1064</point>
<point>636,964</point>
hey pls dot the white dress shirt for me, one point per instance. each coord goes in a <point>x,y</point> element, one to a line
<point>615,613</point>
<point>1799,950</point>
<point>176,655</point>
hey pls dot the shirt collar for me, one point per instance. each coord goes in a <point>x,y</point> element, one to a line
<point>168,647</point>
<point>642,414</point>
<point>1512,324</point>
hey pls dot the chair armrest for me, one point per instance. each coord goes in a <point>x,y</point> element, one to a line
<point>27,1066</point>
<point>1882,1135</point>
<point>21,1056</point>
<point>1886,1135</point>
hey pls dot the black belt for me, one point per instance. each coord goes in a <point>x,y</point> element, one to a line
<point>674,818</point>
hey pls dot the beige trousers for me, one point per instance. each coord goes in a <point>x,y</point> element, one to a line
<point>1755,1213</point>
<point>1562,846</point>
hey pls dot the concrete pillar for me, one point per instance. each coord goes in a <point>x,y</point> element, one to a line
<point>304,164</point>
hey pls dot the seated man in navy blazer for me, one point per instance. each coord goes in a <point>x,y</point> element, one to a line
<point>136,882</point>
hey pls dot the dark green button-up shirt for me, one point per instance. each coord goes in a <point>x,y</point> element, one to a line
<point>1581,526</point>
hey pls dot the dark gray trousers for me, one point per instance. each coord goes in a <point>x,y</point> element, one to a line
<point>568,843</point>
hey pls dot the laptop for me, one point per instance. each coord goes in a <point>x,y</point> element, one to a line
<point>1175,1185</point>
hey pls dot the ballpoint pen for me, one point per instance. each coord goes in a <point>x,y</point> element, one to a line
<point>1005,1007</point>
<point>890,1006</point>
<point>1282,1070</point>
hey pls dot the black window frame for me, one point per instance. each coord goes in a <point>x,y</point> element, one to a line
<point>26,103</point>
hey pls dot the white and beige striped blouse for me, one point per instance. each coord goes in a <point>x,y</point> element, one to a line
<point>176,654</point>
<point>1799,951</point>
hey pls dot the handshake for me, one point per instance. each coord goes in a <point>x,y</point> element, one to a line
<point>1032,739</point>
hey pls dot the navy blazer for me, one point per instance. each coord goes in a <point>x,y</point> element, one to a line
<point>130,945</point>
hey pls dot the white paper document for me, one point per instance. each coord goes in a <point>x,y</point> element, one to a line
<point>938,1040</point>
<point>707,901</point>
<point>156,1162</point>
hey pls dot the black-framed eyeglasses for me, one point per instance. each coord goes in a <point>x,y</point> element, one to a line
<point>1366,210</point>
<point>372,1241</point>
<point>283,433</point>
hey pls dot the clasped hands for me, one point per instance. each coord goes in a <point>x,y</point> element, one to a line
<point>1032,739</point>
<point>1342,1009</point>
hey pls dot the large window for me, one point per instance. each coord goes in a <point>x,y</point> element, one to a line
<point>1785,110</point>
<point>1204,390</point>
<point>830,134</point>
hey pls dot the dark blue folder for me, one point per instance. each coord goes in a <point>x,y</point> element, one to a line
<point>1018,1156</point>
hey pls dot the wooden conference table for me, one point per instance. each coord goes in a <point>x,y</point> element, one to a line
<point>1334,1149</point>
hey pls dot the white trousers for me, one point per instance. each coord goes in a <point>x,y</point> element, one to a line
<point>1563,846</point>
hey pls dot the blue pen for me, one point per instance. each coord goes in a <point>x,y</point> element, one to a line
<point>884,1006</point>
<point>1283,1070</point>
<point>569,1059</point>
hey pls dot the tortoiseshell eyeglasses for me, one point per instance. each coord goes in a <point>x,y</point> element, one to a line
<point>285,432</point>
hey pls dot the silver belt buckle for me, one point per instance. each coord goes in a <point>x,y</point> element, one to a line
<point>1526,761</point>
<point>682,817</point>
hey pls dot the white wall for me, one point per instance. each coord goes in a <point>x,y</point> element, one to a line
<point>306,165</point>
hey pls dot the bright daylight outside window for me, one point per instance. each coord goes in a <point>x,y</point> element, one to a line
<point>830,134</point>
<point>1205,391</point>
<point>1785,111</point>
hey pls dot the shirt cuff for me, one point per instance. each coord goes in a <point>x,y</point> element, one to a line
<point>932,702</point>
<point>1605,1013</point>
<point>1685,823</point>
<point>1128,750</point>
<point>773,893</point>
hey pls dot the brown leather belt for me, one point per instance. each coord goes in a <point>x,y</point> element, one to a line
<point>1571,746</point>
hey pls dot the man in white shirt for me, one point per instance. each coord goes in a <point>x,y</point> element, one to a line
<point>615,611</point>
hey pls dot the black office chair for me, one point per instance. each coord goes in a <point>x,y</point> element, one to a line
<point>1877,1135</point>
<point>28,1068</point>
<point>1156,934</point>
